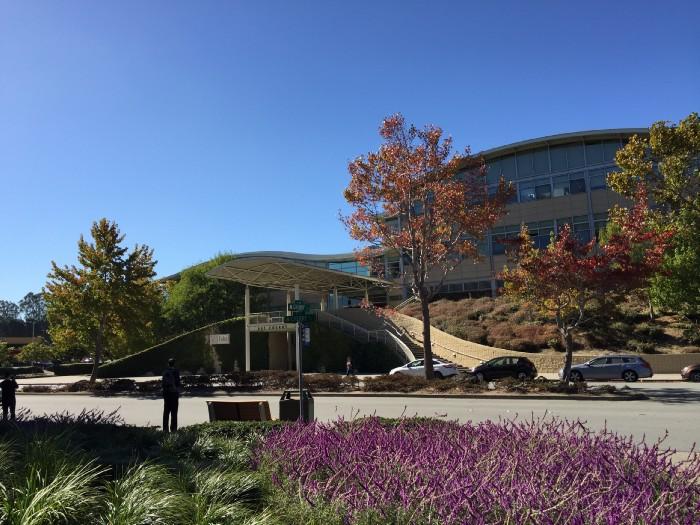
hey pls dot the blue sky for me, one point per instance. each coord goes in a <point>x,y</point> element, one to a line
<point>227,126</point>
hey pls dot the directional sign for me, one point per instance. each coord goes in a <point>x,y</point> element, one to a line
<point>300,318</point>
<point>296,307</point>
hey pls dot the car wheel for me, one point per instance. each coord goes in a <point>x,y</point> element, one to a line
<point>438,375</point>
<point>479,377</point>
<point>522,376</point>
<point>576,376</point>
<point>695,377</point>
<point>629,375</point>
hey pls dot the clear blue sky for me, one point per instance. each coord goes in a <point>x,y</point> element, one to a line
<point>227,126</point>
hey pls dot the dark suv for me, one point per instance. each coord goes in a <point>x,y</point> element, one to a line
<point>499,367</point>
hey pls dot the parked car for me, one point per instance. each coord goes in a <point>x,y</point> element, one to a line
<point>499,367</point>
<point>691,372</point>
<point>627,367</point>
<point>441,369</point>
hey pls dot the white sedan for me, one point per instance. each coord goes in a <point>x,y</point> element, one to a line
<point>417,368</point>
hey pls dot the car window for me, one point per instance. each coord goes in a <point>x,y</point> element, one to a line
<point>418,362</point>
<point>436,362</point>
<point>627,360</point>
<point>598,362</point>
<point>614,360</point>
<point>501,361</point>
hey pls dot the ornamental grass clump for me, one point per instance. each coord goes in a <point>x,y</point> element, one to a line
<point>540,471</point>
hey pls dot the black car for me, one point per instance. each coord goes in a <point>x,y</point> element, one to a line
<point>499,367</point>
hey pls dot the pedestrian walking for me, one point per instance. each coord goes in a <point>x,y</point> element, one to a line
<point>348,366</point>
<point>9,401</point>
<point>171,396</point>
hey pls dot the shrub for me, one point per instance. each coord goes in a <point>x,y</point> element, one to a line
<point>394,383</point>
<point>556,344</point>
<point>651,331</point>
<point>643,347</point>
<point>19,370</point>
<point>373,472</point>
<point>72,369</point>
<point>522,345</point>
<point>691,334</point>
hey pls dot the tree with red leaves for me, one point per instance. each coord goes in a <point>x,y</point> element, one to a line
<point>567,276</point>
<point>415,198</point>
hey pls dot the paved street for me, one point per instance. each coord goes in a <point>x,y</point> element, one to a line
<point>673,406</point>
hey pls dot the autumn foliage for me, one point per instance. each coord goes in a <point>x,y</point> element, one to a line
<point>414,198</point>
<point>565,277</point>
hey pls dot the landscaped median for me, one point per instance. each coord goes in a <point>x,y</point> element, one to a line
<point>336,384</point>
<point>93,469</point>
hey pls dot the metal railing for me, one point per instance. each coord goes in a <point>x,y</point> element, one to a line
<point>267,317</point>
<point>406,302</point>
<point>362,334</point>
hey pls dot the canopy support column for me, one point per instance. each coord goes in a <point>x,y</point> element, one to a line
<point>247,328</point>
<point>335,298</point>
<point>290,356</point>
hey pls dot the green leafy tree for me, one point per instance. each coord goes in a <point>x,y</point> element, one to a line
<point>196,300</point>
<point>107,303</point>
<point>36,351</point>
<point>9,311</point>
<point>667,165</point>
<point>6,355</point>
<point>33,309</point>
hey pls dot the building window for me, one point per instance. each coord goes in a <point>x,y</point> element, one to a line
<point>526,166</point>
<point>567,156</point>
<point>597,179</point>
<point>579,227</point>
<point>569,184</point>
<point>541,232</point>
<point>610,147</point>
<point>600,221</point>
<point>594,152</point>
<point>500,234</point>
<point>508,167</point>
<point>541,161</point>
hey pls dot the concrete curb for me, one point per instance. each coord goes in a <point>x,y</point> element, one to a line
<point>538,397</point>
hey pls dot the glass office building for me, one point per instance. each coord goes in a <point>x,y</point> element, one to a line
<point>560,179</point>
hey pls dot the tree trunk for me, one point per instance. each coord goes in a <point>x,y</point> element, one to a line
<point>99,350</point>
<point>427,344</point>
<point>569,346</point>
<point>652,315</point>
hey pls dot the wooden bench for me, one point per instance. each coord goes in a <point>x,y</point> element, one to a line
<point>239,411</point>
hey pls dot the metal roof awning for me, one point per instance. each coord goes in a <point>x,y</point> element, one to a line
<point>283,273</point>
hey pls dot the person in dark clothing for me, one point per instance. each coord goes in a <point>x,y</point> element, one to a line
<point>9,401</point>
<point>171,396</point>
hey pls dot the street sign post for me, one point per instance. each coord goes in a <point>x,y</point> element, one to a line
<point>300,313</point>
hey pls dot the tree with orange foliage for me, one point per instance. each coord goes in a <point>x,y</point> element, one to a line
<point>567,276</point>
<point>414,197</point>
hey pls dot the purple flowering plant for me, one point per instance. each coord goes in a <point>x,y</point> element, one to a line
<point>537,471</point>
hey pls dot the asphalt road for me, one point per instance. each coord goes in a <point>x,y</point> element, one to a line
<point>672,407</point>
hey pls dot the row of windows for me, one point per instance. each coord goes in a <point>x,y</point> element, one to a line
<point>558,186</point>
<point>472,286</point>
<point>541,232</point>
<point>350,267</point>
<point>552,159</point>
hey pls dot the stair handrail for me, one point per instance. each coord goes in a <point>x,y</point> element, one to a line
<point>379,335</point>
<point>406,302</point>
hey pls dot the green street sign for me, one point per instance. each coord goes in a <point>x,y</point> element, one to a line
<point>298,307</point>
<point>300,318</point>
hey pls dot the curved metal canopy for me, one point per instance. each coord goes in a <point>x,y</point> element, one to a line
<point>283,271</point>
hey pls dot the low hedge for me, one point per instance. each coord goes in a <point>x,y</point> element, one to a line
<point>19,370</point>
<point>72,369</point>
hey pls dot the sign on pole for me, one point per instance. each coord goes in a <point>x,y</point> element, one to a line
<point>220,339</point>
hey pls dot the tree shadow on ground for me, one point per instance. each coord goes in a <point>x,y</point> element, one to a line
<point>673,395</point>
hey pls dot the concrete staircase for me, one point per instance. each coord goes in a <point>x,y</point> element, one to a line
<point>367,333</point>
<point>370,321</point>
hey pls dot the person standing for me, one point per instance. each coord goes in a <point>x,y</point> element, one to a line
<point>171,396</point>
<point>348,366</point>
<point>9,401</point>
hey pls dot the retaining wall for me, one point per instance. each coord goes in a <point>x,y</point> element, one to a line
<point>466,353</point>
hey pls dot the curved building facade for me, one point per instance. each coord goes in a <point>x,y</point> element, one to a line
<point>559,179</point>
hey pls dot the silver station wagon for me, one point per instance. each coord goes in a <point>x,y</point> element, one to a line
<point>627,367</point>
